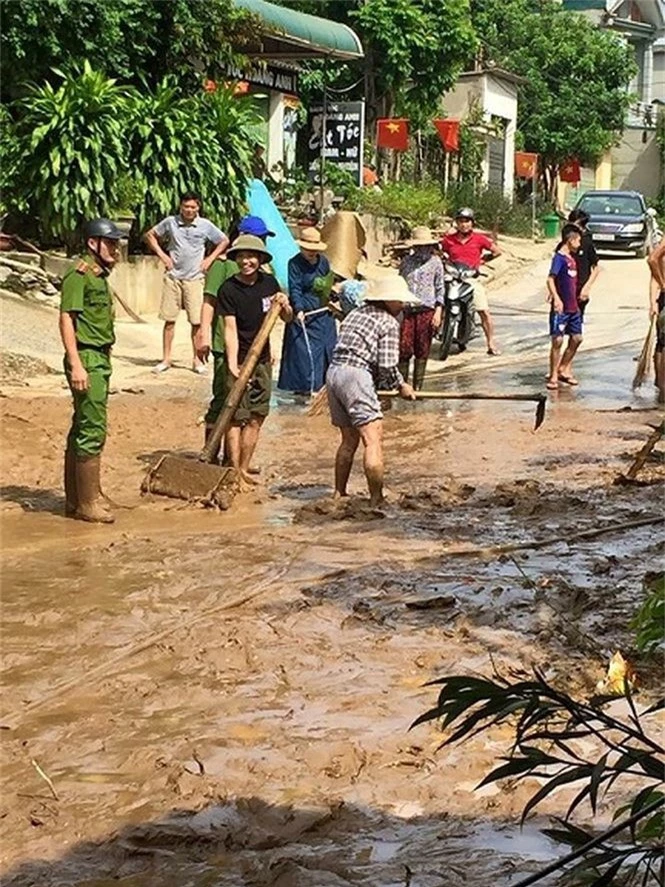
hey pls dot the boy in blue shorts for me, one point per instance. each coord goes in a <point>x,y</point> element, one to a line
<point>565,315</point>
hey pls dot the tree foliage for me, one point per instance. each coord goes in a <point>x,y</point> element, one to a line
<point>575,97</point>
<point>414,50</point>
<point>420,47</point>
<point>73,149</point>
<point>127,39</point>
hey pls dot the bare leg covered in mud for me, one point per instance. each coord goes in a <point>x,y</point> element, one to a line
<point>240,445</point>
<point>371,436</point>
<point>344,459</point>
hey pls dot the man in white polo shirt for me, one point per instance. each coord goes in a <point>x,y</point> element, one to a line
<point>185,237</point>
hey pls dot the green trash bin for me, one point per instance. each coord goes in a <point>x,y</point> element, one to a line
<point>551,224</point>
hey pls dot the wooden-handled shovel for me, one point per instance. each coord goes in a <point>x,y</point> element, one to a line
<point>184,477</point>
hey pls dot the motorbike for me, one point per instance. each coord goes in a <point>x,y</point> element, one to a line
<point>459,312</point>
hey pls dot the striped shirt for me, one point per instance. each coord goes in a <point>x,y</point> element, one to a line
<point>369,339</point>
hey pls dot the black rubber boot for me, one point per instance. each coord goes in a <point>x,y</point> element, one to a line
<point>419,374</point>
<point>403,367</point>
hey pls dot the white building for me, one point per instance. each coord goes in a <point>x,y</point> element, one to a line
<point>493,92</point>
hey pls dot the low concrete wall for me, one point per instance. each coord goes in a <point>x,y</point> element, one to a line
<point>381,231</point>
<point>138,280</point>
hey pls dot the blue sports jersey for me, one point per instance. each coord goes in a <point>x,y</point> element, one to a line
<point>564,272</point>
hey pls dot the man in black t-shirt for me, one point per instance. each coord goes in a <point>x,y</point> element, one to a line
<point>243,301</point>
<point>586,259</point>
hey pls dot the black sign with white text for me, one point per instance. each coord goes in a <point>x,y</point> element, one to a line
<point>345,124</point>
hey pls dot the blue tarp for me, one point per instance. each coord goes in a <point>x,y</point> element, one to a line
<point>282,246</point>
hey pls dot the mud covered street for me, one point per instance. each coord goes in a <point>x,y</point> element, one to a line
<point>225,698</point>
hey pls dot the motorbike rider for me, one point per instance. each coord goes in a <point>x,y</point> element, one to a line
<point>469,247</point>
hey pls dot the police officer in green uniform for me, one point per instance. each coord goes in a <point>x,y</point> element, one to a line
<point>86,329</point>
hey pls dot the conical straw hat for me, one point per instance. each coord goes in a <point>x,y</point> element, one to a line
<point>345,235</point>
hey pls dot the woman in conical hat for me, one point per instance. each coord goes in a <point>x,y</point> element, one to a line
<point>423,271</point>
<point>366,357</point>
<point>308,340</point>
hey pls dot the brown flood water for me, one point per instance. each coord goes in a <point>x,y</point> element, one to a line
<point>224,698</point>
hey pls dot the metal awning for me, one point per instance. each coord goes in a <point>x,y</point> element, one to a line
<point>299,35</point>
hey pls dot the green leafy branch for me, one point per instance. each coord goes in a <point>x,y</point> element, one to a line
<point>548,726</point>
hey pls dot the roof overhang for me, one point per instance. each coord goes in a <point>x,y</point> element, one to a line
<point>293,35</point>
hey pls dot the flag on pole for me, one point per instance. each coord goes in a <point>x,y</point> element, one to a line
<point>448,130</point>
<point>392,132</point>
<point>570,171</point>
<point>526,165</point>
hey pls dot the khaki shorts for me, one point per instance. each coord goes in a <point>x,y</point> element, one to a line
<point>480,299</point>
<point>179,294</point>
<point>256,399</point>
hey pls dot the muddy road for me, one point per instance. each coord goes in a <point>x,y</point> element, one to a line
<point>225,698</point>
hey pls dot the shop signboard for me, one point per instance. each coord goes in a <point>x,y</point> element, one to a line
<point>270,77</point>
<point>345,127</point>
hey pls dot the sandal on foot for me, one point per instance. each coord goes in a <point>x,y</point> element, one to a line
<point>569,380</point>
<point>493,352</point>
<point>552,386</point>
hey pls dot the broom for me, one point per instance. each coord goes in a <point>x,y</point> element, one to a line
<point>645,356</point>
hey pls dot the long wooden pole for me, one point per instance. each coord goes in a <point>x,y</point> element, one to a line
<point>444,395</point>
<point>225,418</point>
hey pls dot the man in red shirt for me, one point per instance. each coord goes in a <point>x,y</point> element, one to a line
<point>468,247</point>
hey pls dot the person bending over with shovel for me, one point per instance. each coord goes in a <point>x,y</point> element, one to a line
<point>364,360</point>
<point>243,301</point>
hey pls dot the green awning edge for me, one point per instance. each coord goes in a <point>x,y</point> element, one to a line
<point>302,29</point>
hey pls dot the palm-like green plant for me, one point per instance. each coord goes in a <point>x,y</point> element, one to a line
<point>75,141</point>
<point>199,143</point>
<point>548,726</point>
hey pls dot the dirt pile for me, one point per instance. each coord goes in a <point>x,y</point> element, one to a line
<point>16,369</point>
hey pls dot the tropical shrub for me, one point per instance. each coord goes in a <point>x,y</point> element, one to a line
<point>92,147</point>
<point>202,143</point>
<point>415,204</point>
<point>74,146</point>
<point>10,159</point>
<point>649,622</point>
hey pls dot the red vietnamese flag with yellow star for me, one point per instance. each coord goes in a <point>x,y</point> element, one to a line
<point>570,171</point>
<point>526,165</point>
<point>392,132</point>
<point>448,130</point>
